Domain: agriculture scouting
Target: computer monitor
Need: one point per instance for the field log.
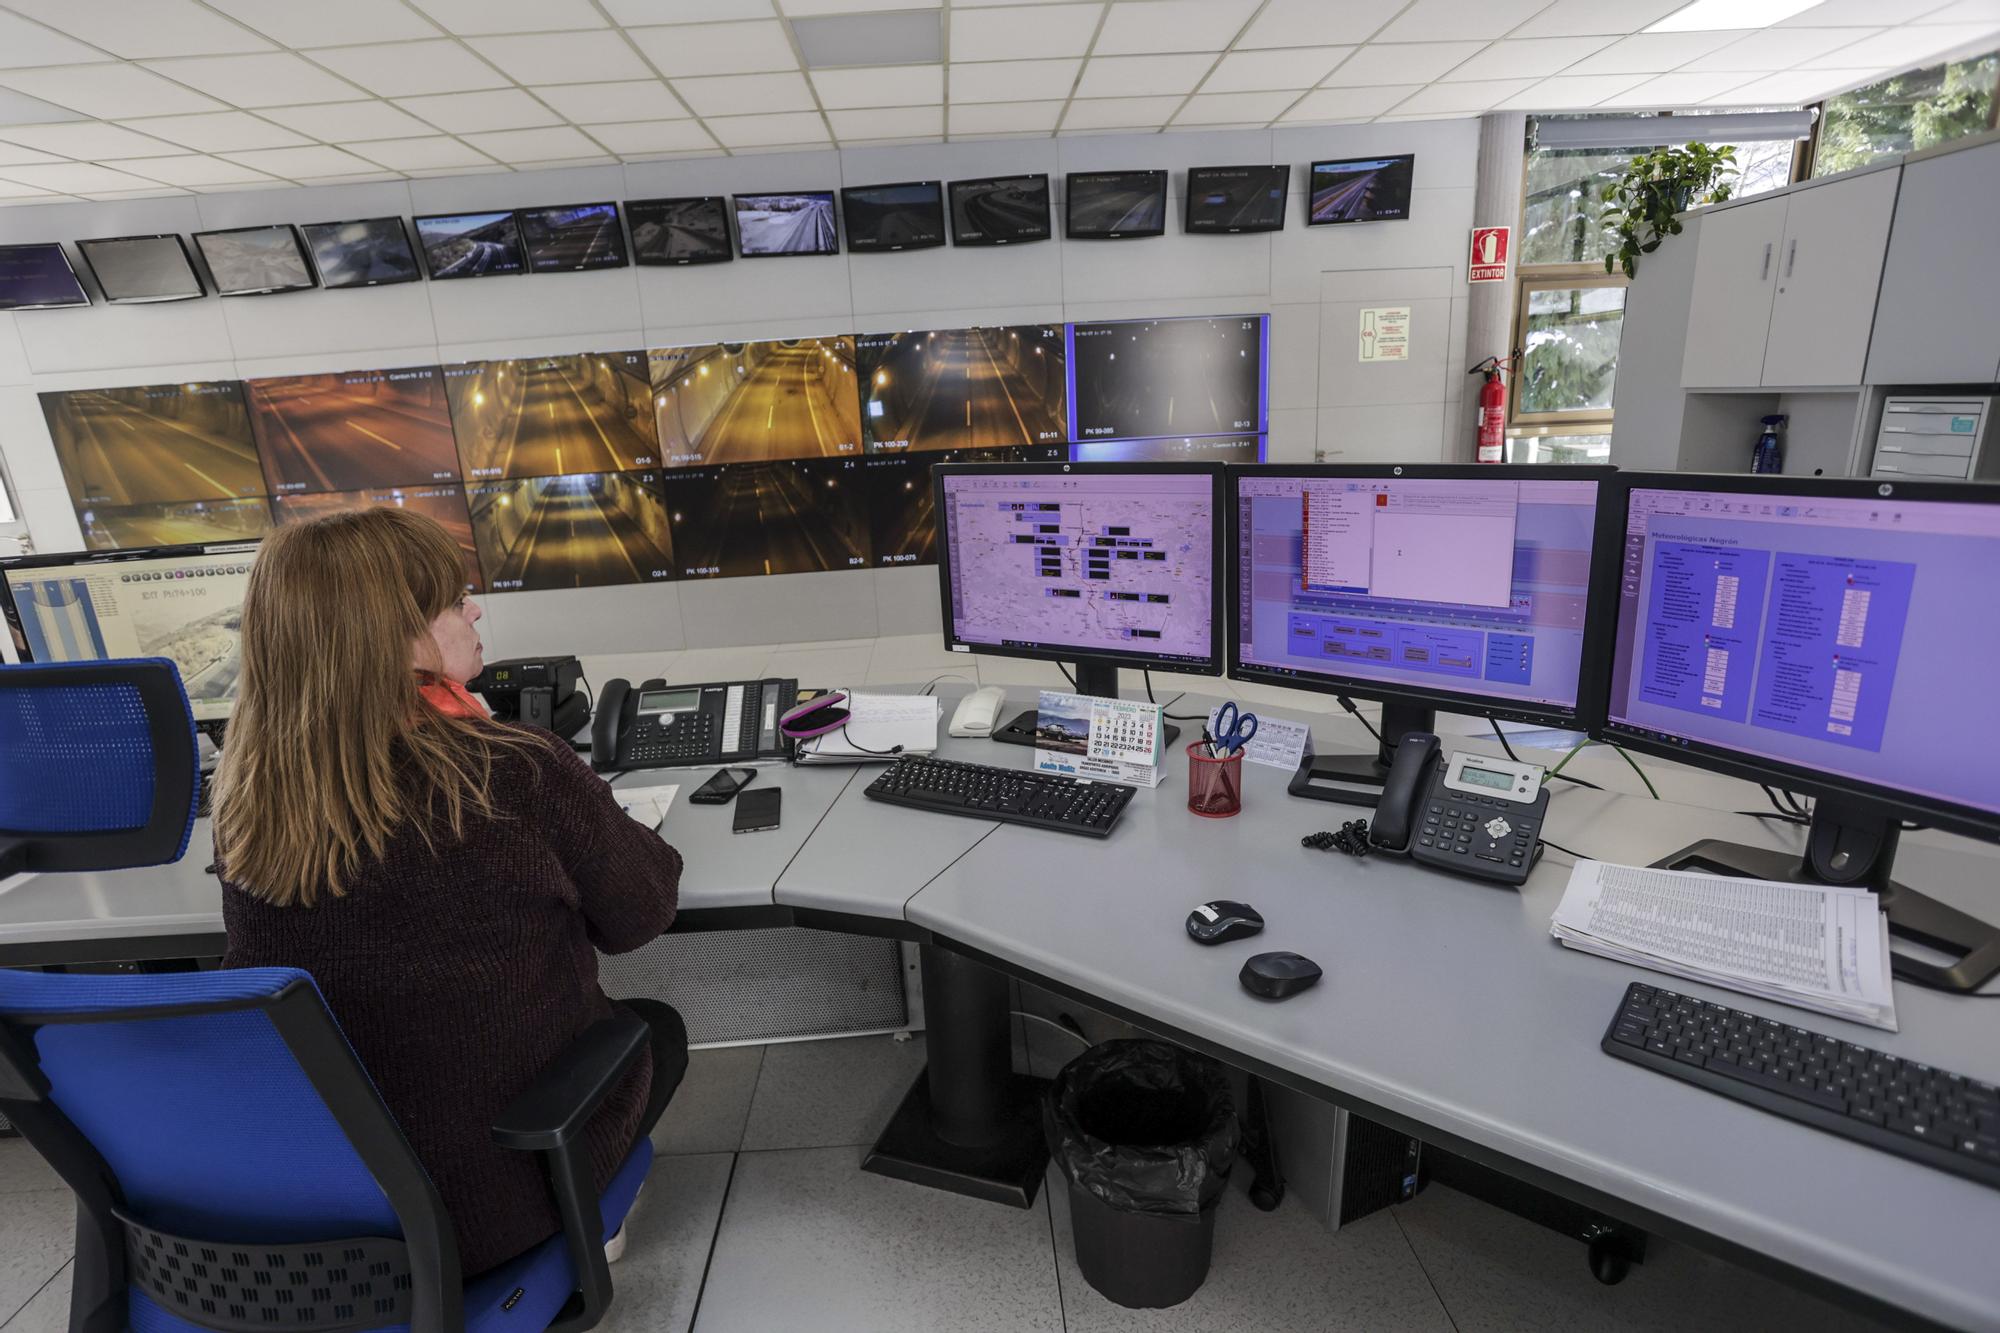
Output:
(1103, 565)
(1471, 589)
(1827, 637)
(178, 602)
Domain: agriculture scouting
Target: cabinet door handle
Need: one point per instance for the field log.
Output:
(1791, 253)
(1765, 272)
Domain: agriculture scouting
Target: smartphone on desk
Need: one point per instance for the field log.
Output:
(757, 810)
(722, 786)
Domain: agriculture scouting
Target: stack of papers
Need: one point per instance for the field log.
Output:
(876, 725)
(648, 805)
(1822, 947)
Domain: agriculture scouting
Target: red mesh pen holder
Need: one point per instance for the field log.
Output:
(1215, 782)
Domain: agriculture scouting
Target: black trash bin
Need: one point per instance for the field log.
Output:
(1145, 1133)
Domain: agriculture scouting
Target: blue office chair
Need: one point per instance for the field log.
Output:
(234, 1167)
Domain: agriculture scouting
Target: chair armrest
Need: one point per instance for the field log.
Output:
(553, 1110)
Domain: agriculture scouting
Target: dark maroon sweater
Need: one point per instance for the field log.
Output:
(459, 975)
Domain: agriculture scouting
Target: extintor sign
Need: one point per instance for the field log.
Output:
(1488, 262)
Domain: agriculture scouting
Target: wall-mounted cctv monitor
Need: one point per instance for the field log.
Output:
(1367, 189)
(470, 245)
(1235, 199)
(680, 231)
(786, 224)
(136, 270)
(374, 252)
(1001, 210)
(894, 217)
(255, 261)
(38, 277)
(570, 238)
(1115, 205)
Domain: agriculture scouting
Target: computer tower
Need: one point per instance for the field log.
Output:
(1341, 1166)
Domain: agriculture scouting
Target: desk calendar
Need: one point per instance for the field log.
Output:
(1110, 740)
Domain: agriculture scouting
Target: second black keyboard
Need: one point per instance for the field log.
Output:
(1009, 795)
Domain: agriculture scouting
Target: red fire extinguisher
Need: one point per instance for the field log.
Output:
(1492, 410)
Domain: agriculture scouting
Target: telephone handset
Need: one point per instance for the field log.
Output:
(1462, 812)
(658, 725)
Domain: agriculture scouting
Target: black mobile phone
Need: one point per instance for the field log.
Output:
(757, 810)
(722, 786)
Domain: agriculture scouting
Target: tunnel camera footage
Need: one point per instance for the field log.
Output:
(355, 430)
(963, 388)
(576, 531)
(1141, 379)
(743, 402)
(680, 231)
(373, 252)
(553, 415)
(445, 504)
(788, 517)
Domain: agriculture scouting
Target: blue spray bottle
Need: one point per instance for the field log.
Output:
(1768, 456)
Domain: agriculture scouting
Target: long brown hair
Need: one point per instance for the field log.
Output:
(329, 721)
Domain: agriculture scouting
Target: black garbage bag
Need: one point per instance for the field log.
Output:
(1144, 1126)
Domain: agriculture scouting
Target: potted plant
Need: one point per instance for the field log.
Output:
(1655, 187)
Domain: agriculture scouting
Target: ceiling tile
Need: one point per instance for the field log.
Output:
(1286, 23)
(1587, 18)
(1776, 48)
(75, 177)
(746, 94)
(1903, 47)
(1966, 11)
(813, 8)
(1673, 90)
(637, 138)
(1142, 76)
(409, 69)
(138, 31)
(1408, 62)
(109, 92)
(1013, 80)
(765, 131)
(418, 154)
(1535, 57)
(1235, 108)
(882, 85)
(12, 155)
(361, 179)
(298, 25)
(23, 43)
(1005, 118)
(1571, 92)
(479, 17)
(563, 57)
(1172, 25)
(219, 131)
(89, 140)
(343, 120)
(1794, 88)
(466, 113)
(157, 192)
(1862, 13)
(899, 37)
(318, 160)
(199, 169)
(1255, 71)
(888, 123)
(1349, 103)
(644, 99)
(1115, 113)
(15, 191)
(717, 48)
(276, 79)
(428, 172)
(1652, 52)
(1462, 98)
(1459, 18)
(633, 13)
(1023, 34)
(535, 145)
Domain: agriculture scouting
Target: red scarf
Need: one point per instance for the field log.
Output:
(449, 697)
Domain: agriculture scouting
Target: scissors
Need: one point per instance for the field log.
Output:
(1234, 728)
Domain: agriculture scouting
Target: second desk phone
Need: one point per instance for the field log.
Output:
(658, 725)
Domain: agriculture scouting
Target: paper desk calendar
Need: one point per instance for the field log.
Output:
(1108, 740)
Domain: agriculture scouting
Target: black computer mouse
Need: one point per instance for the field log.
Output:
(1277, 976)
(1221, 921)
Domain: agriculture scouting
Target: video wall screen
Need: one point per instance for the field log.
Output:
(1373, 189)
(900, 504)
(743, 402)
(894, 217)
(553, 415)
(470, 245)
(796, 516)
(139, 270)
(373, 252)
(255, 261)
(154, 443)
(446, 504)
(680, 231)
(578, 531)
(38, 277)
(1237, 449)
(353, 431)
(173, 523)
(1000, 210)
(1227, 200)
(1140, 379)
(572, 237)
(963, 388)
(787, 224)
(1113, 205)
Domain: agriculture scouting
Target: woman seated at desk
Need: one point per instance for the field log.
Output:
(446, 879)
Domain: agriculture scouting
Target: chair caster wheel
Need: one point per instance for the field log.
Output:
(1606, 1264)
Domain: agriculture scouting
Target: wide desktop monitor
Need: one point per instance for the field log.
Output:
(1471, 589)
(178, 602)
(1366, 189)
(38, 277)
(800, 223)
(1115, 205)
(680, 231)
(370, 252)
(136, 270)
(255, 261)
(1828, 637)
(1000, 210)
(570, 238)
(909, 216)
(470, 245)
(1228, 200)
(1102, 565)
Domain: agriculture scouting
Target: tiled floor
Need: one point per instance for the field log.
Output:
(757, 1217)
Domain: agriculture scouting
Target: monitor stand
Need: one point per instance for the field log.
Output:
(1356, 779)
(1855, 843)
(1096, 679)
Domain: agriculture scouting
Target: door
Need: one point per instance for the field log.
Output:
(1835, 238)
(1729, 311)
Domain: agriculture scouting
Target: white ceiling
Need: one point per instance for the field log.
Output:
(108, 99)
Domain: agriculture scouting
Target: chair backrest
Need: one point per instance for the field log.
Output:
(98, 765)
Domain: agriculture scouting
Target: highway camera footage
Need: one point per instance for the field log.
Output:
(343, 432)
(742, 402)
(1368, 190)
(254, 260)
(571, 532)
(679, 231)
(573, 237)
(894, 217)
(470, 245)
(371, 253)
(786, 224)
(553, 415)
(155, 443)
(963, 388)
(446, 504)
(1105, 204)
(768, 518)
(1000, 211)
(1169, 377)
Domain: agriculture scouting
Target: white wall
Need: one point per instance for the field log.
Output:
(1312, 281)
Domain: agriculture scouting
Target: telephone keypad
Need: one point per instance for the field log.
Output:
(1480, 828)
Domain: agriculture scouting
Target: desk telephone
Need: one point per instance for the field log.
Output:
(658, 725)
(1462, 812)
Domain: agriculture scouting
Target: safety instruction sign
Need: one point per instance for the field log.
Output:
(1488, 262)
(1385, 333)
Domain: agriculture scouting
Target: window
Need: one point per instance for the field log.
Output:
(1568, 333)
(1920, 109)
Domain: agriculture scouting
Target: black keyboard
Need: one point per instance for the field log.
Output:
(1917, 1112)
(1009, 795)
